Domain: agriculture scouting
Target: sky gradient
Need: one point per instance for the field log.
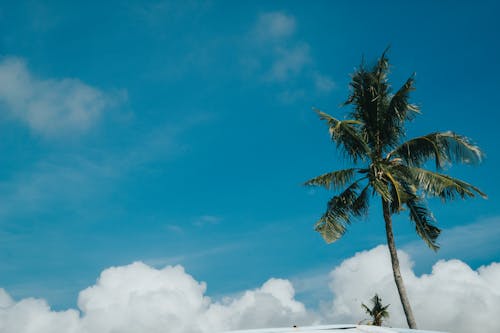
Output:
(181, 133)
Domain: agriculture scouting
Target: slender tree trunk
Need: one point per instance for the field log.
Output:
(395, 267)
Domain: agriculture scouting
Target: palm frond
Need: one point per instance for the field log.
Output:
(333, 180)
(401, 184)
(361, 204)
(340, 211)
(367, 309)
(346, 135)
(444, 186)
(444, 147)
(397, 112)
(380, 187)
(424, 222)
(369, 96)
(379, 182)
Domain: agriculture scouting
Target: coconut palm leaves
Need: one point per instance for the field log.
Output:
(444, 148)
(377, 311)
(392, 169)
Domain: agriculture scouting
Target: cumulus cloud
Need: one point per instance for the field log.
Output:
(50, 107)
(139, 298)
(453, 297)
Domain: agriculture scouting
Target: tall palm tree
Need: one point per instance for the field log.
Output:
(378, 312)
(389, 168)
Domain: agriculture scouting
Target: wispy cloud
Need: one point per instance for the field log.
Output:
(52, 107)
(323, 83)
(67, 180)
(274, 26)
(193, 256)
(468, 242)
(280, 56)
(207, 220)
(289, 62)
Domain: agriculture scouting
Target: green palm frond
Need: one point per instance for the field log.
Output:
(424, 222)
(340, 211)
(401, 184)
(380, 187)
(397, 112)
(367, 310)
(361, 204)
(378, 312)
(346, 135)
(444, 186)
(333, 180)
(369, 96)
(443, 147)
(400, 108)
(379, 181)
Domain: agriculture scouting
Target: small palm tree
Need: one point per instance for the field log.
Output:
(378, 312)
(389, 168)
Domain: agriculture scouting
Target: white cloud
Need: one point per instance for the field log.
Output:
(278, 56)
(139, 298)
(34, 316)
(207, 220)
(482, 240)
(453, 297)
(291, 96)
(323, 83)
(289, 62)
(51, 107)
(274, 25)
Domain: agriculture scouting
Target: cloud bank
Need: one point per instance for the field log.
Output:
(50, 107)
(139, 298)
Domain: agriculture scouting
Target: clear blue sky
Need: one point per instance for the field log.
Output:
(181, 132)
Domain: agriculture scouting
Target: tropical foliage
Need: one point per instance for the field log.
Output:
(372, 138)
(377, 312)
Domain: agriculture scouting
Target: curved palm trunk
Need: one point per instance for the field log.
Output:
(395, 267)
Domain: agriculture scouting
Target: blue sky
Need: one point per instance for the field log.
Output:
(181, 132)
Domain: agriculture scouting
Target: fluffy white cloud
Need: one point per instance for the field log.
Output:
(139, 298)
(34, 316)
(50, 106)
(453, 297)
(272, 305)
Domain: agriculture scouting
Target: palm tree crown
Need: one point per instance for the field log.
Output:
(389, 167)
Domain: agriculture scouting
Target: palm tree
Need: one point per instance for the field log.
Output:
(378, 312)
(389, 168)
